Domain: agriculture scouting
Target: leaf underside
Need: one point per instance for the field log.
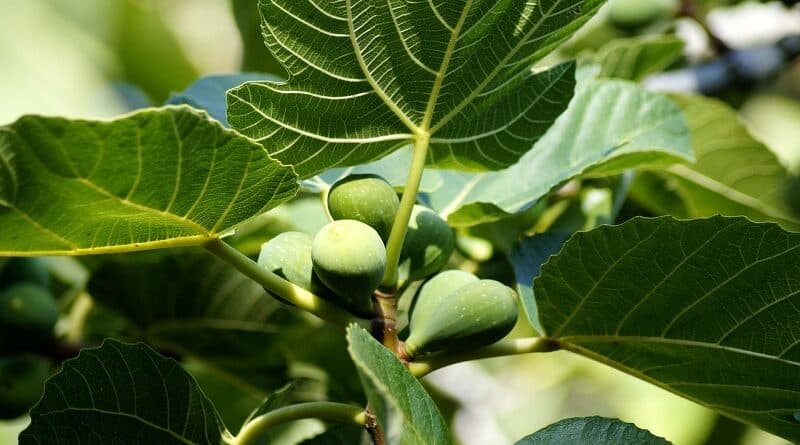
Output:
(368, 77)
(157, 178)
(708, 309)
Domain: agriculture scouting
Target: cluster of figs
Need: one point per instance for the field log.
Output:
(28, 314)
(346, 260)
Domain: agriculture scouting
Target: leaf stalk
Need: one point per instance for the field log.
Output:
(287, 290)
(338, 412)
(502, 348)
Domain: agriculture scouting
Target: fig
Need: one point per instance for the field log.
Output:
(474, 315)
(28, 313)
(436, 292)
(288, 255)
(350, 258)
(21, 384)
(428, 245)
(366, 198)
(636, 14)
(31, 270)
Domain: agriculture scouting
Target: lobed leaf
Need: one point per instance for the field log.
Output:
(708, 309)
(636, 58)
(592, 431)
(121, 393)
(610, 126)
(157, 178)
(368, 77)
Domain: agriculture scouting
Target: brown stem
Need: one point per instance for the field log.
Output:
(373, 429)
(384, 323)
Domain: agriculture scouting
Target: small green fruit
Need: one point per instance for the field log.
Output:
(289, 256)
(349, 258)
(635, 14)
(28, 313)
(30, 270)
(21, 384)
(366, 198)
(435, 292)
(428, 245)
(474, 315)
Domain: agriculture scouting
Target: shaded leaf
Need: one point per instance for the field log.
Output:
(367, 79)
(338, 435)
(592, 431)
(707, 309)
(124, 394)
(198, 305)
(157, 178)
(405, 411)
(636, 58)
(734, 173)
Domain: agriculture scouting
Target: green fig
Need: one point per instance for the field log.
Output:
(435, 292)
(29, 270)
(635, 14)
(289, 256)
(21, 384)
(428, 245)
(350, 258)
(366, 198)
(28, 313)
(474, 315)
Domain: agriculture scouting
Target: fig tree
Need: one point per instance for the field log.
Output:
(366, 198)
(28, 313)
(635, 14)
(289, 256)
(350, 258)
(474, 315)
(21, 384)
(428, 245)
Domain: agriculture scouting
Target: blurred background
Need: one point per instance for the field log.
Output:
(101, 58)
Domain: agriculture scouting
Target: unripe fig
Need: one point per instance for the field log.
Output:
(428, 245)
(21, 384)
(474, 315)
(28, 313)
(435, 292)
(289, 256)
(350, 258)
(635, 14)
(30, 270)
(366, 198)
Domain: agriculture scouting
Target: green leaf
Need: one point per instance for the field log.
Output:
(367, 78)
(338, 435)
(642, 129)
(121, 393)
(405, 412)
(208, 93)
(708, 309)
(734, 174)
(197, 305)
(636, 58)
(157, 178)
(255, 56)
(592, 431)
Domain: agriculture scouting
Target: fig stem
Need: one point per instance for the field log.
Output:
(339, 412)
(502, 348)
(398, 234)
(287, 290)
